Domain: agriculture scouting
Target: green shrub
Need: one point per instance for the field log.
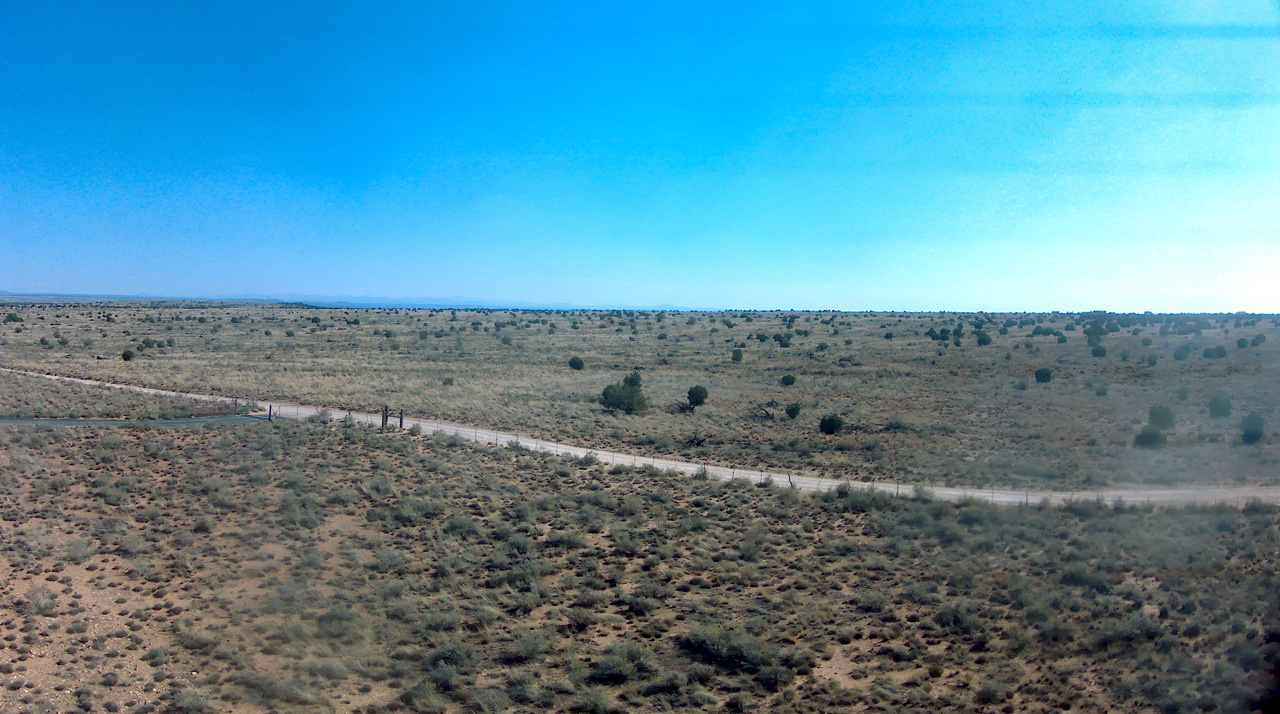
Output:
(1161, 417)
(958, 619)
(787, 380)
(455, 654)
(1251, 428)
(1149, 438)
(625, 395)
(793, 410)
(697, 396)
(422, 698)
(188, 701)
(192, 638)
(622, 661)
(734, 651)
(1044, 375)
(576, 363)
(848, 499)
(1183, 352)
(990, 693)
(774, 677)
(1219, 406)
(983, 339)
(126, 355)
(1243, 343)
(1099, 351)
(831, 424)
(736, 356)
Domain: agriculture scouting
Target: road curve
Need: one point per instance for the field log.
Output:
(1156, 496)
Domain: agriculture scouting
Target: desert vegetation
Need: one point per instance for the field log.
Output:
(23, 397)
(1029, 406)
(308, 566)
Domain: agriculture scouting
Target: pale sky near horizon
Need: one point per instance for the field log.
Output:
(986, 155)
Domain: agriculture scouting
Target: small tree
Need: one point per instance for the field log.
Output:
(793, 410)
(1251, 428)
(1219, 406)
(1161, 417)
(697, 396)
(576, 363)
(1099, 351)
(737, 356)
(1044, 375)
(625, 395)
(787, 380)
(1243, 343)
(126, 355)
(1149, 438)
(983, 339)
(831, 424)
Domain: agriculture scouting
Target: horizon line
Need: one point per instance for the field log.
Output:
(369, 302)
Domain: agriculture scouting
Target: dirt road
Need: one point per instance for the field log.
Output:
(1156, 496)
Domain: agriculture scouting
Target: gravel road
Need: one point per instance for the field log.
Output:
(1236, 496)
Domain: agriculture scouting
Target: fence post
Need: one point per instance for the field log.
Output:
(401, 418)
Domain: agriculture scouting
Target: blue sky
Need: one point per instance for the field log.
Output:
(976, 156)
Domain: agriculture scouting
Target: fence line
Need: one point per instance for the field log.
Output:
(814, 483)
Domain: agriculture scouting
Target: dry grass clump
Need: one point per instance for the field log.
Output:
(320, 567)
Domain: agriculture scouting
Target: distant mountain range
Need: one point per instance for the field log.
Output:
(359, 301)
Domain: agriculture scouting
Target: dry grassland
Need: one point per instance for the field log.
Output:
(916, 409)
(302, 567)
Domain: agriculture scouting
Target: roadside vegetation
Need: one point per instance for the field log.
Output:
(1054, 401)
(302, 567)
(24, 397)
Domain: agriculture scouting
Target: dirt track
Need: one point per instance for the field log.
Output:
(1164, 496)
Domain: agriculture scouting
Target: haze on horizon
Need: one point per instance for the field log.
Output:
(886, 156)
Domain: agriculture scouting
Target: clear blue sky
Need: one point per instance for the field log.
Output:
(993, 155)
